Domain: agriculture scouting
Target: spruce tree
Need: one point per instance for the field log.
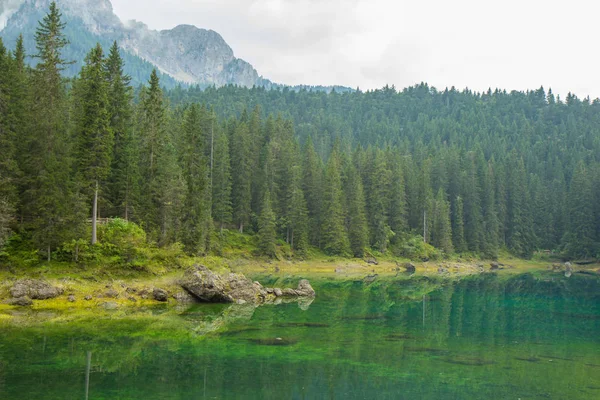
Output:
(267, 236)
(221, 180)
(335, 238)
(242, 175)
(51, 200)
(357, 225)
(197, 221)
(124, 174)
(298, 213)
(441, 233)
(93, 129)
(313, 191)
(8, 164)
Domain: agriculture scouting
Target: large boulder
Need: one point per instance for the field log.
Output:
(205, 285)
(208, 286)
(35, 289)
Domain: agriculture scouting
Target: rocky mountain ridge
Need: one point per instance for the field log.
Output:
(186, 54)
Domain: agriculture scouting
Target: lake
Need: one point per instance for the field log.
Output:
(531, 336)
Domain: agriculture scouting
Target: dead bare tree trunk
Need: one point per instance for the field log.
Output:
(95, 215)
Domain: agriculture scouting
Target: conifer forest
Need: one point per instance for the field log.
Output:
(344, 173)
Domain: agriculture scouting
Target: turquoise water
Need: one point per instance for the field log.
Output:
(484, 337)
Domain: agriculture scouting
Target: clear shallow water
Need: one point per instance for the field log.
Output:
(481, 338)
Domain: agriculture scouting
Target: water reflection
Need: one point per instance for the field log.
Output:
(412, 338)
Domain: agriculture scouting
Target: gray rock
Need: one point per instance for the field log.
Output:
(372, 261)
(35, 289)
(111, 294)
(494, 266)
(21, 301)
(277, 292)
(88, 297)
(160, 295)
(71, 298)
(207, 286)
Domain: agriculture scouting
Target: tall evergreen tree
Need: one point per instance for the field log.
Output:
(313, 191)
(441, 233)
(267, 235)
(124, 174)
(8, 163)
(357, 225)
(335, 238)
(221, 180)
(197, 221)
(93, 130)
(242, 175)
(51, 200)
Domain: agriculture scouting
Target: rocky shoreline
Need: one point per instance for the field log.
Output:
(198, 285)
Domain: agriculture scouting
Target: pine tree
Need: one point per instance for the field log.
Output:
(8, 164)
(379, 182)
(164, 185)
(50, 197)
(242, 176)
(93, 130)
(397, 192)
(458, 228)
(124, 174)
(441, 233)
(335, 238)
(267, 236)
(298, 213)
(197, 221)
(313, 191)
(357, 226)
(221, 180)
(579, 240)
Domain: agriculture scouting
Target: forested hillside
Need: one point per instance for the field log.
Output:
(346, 173)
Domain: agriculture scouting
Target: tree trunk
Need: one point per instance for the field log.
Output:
(241, 227)
(49, 254)
(95, 215)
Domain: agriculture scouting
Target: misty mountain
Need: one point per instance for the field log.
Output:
(184, 54)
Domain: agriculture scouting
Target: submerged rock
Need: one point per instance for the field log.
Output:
(472, 361)
(207, 286)
(274, 341)
(35, 289)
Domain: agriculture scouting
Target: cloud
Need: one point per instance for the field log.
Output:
(512, 44)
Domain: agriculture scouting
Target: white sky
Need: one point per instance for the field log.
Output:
(510, 44)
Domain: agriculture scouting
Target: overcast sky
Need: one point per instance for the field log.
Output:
(511, 44)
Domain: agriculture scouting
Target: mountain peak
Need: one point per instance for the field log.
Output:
(186, 53)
